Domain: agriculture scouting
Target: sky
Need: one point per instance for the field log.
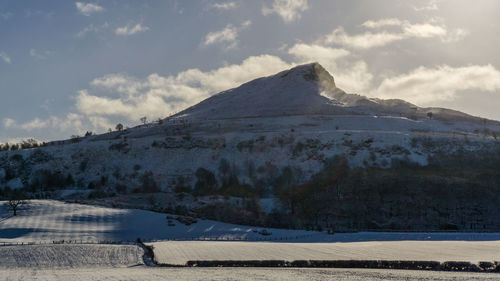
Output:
(70, 67)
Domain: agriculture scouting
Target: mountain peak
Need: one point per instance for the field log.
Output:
(313, 72)
(302, 90)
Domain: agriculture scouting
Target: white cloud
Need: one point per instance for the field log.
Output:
(92, 28)
(228, 35)
(363, 41)
(381, 38)
(430, 5)
(99, 122)
(456, 35)
(425, 30)
(131, 30)
(6, 16)
(156, 96)
(121, 83)
(40, 55)
(382, 23)
(88, 9)
(71, 123)
(224, 5)
(310, 52)
(288, 10)
(5, 58)
(426, 86)
(34, 124)
(8, 122)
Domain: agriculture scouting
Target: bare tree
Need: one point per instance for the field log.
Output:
(119, 127)
(14, 205)
(144, 120)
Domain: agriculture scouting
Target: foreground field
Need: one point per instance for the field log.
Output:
(295, 274)
(69, 256)
(47, 223)
(178, 253)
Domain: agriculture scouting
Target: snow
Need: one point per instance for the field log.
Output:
(291, 107)
(45, 221)
(48, 220)
(305, 90)
(291, 92)
(70, 256)
(279, 274)
(178, 253)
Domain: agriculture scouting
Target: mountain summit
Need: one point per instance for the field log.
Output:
(307, 89)
(302, 90)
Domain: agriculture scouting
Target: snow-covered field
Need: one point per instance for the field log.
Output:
(288, 274)
(45, 221)
(70, 256)
(49, 220)
(178, 253)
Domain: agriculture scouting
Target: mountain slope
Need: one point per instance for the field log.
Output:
(306, 90)
(303, 90)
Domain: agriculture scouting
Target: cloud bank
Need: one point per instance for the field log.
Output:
(378, 36)
(87, 9)
(5, 58)
(288, 10)
(426, 86)
(227, 36)
(224, 5)
(131, 29)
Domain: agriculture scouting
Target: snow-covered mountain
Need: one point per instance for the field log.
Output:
(305, 90)
(257, 140)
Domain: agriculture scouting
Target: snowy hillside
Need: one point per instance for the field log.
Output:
(251, 155)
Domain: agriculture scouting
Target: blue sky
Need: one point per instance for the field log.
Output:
(67, 67)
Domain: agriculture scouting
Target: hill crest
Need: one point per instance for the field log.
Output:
(302, 90)
(307, 89)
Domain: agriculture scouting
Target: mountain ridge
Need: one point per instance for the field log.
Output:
(308, 89)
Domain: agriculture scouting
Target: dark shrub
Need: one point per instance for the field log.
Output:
(206, 183)
(148, 183)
